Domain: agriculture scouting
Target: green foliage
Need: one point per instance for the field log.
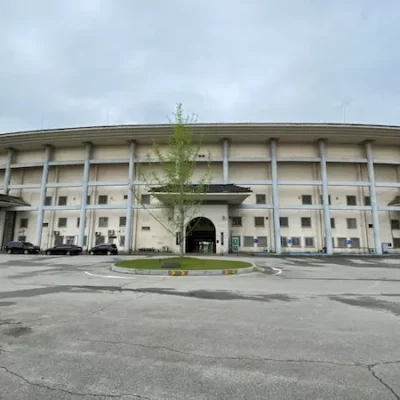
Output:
(178, 159)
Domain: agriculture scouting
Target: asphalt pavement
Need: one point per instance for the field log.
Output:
(306, 328)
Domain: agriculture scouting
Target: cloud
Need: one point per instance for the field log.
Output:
(95, 62)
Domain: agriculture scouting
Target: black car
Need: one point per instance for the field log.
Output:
(67, 249)
(22, 248)
(104, 249)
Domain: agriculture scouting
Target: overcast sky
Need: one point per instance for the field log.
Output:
(71, 63)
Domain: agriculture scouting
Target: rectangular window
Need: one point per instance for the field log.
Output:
(309, 241)
(62, 200)
(45, 224)
(21, 238)
(367, 201)
(329, 199)
(351, 200)
(125, 197)
(306, 199)
(70, 240)
(262, 241)
(306, 222)
(145, 228)
(395, 223)
(178, 238)
(351, 223)
(283, 241)
(222, 238)
(396, 243)
(103, 222)
(85, 240)
(236, 221)
(48, 200)
(145, 199)
(103, 199)
(23, 222)
(78, 222)
(62, 222)
(248, 241)
(260, 198)
(58, 240)
(341, 242)
(100, 240)
(122, 241)
(259, 222)
(333, 223)
(122, 222)
(296, 242)
(88, 200)
(284, 222)
(355, 243)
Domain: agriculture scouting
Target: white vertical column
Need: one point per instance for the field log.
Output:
(372, 194)
(131, 197)
(275, 195)
(7, 175)
(325, 197)
(45, 174)
(225, 161)
(85, 187)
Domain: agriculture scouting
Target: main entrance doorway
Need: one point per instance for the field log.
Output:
(200, 236)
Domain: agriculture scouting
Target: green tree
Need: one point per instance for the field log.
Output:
(174, 185)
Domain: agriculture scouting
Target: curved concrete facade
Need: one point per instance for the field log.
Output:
(308, 182)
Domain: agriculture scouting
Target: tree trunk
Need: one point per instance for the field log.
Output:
(182, 233)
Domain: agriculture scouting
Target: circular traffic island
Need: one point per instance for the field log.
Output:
(183, 266)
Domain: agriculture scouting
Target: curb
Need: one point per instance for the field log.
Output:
(171, 272)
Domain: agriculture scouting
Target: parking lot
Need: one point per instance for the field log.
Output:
(307, 328)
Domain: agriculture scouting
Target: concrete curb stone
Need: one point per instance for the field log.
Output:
(169, 272)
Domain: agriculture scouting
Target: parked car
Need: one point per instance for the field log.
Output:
(104, 249)
(67, 249)
(22, 247)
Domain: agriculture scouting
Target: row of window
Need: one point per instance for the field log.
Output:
(307, 199)
(249, 241)
(101, 199)
(259, 222)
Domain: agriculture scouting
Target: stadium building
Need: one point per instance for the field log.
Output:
(275, 187)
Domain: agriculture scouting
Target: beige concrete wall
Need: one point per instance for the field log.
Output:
(249, 150)
(159, 237)
(29, 156)
(69, 154)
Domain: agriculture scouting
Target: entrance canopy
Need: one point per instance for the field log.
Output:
(11, 201)
(212, 194)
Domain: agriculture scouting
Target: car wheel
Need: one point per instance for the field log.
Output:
(91, 253)
(26, 252)
(9, 251)
(48, 253)
(109, 253)
(68, 253)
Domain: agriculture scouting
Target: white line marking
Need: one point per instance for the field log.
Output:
(277, 269)
(108, 276)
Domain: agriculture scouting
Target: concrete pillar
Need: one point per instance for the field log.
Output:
(325, 197)
(372, 194)
(7, 175)
(225, 161)
(85, 186)
(275, 195)
(131, 198)
(45, 173)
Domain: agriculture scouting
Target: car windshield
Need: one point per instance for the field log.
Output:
(28, 244)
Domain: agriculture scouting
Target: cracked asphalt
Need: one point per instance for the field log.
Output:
(323, 328)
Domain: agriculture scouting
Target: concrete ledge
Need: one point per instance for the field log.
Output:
(169, 272)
